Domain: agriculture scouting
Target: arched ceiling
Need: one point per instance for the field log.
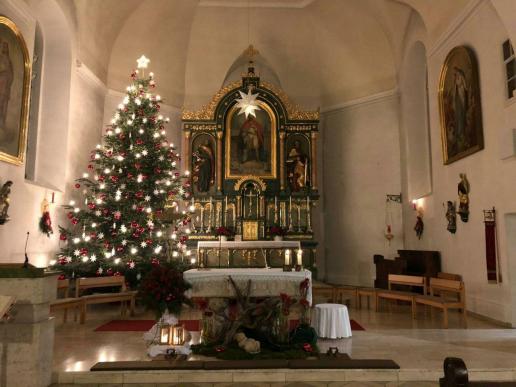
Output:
(325, 52)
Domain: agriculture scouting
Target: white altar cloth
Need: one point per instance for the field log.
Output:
(249, 244)
(264, 282)
(331, 321)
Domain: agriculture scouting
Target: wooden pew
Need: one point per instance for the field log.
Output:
(77, 304)
(399, 295)
(320, 289)
(445, 287)
(124, 296)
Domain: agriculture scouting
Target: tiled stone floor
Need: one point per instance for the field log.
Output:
(418, 346)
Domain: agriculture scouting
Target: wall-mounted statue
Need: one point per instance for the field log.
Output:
(4, 201)
(463, 189)
(420, 226)
(203, 166)
(297, 167)
(451, 216)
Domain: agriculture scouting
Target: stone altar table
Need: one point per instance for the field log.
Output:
(214, 283)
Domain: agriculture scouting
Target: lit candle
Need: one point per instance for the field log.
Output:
(164, 333)
(300, 257)
(287, 257)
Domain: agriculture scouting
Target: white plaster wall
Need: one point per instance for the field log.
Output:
(491, 178)
(361, 157)
(76, 111)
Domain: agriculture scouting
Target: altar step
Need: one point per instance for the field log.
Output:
(273, 378)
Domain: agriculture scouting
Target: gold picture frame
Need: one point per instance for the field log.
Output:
(272, 174)
(14, 98)
(460, 107)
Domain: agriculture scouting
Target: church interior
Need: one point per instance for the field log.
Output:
(257, 193)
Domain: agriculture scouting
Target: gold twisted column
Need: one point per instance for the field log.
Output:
(314, 161)
(282, 160)
(219, 161)
(186, 154)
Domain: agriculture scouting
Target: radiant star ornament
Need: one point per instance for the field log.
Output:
(247, 103)
(143, 62)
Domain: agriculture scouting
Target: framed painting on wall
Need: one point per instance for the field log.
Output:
(459, 105)
(251, 144)
(14, 92)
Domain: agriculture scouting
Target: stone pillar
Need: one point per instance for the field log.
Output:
(219, 161)
(27, 340)
(186, 155)
(282, 160)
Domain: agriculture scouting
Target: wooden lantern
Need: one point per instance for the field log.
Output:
(177, 334)
(164, 333)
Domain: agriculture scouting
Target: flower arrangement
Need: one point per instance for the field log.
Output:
(303, 290)
(224, 231)
(286, 303)
(277, 231)
(163, 288)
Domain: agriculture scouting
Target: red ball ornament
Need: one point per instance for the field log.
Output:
(155, 262)
(107, 245)
(137, 166)
(109, 271)
(62, 237)
(139, 141)
(61, 277)
(157, 170)
(105, 211)
(139, 194)
(139, 209)
(91, 206)
(114, 178)
(75, 221)
(134, 224)
(117, 274)
(77, 185)
(70, 215)
(120, 248)
(149, 242)
(84, 251)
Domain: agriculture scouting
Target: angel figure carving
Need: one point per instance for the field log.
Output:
(4, 201)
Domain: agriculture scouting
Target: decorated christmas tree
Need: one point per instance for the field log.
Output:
(132, 185)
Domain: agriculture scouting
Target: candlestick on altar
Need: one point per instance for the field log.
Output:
(287, 265)
(299, 261)
(299, 217)
(308, 215)
(202, 218)
(290, 225)
(275, 210)
(226, 212)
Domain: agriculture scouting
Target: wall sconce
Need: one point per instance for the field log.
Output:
(177, 335)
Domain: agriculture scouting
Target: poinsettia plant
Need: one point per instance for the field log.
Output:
(277, 231)
(164, 288)
(224, 231)
(286, 302)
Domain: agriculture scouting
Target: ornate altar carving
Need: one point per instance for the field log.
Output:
(252, 172)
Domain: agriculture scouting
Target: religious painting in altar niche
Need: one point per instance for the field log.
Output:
(298, 162)
(203, 163)
(459, 105)
(14, 92)
(251, 144)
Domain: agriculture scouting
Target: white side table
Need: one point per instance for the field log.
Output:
(331, 321)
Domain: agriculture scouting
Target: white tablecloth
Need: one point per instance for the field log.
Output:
(264, 282)
(331, 321)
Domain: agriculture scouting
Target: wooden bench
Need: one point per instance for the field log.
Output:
(124, 296)
(341, 291)
(320, 289)
(445, 287)
(77, 304)
(398, 295)
(368, 293)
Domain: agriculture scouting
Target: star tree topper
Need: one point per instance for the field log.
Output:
(247, 103)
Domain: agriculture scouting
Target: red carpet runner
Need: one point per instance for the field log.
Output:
(190, 325)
